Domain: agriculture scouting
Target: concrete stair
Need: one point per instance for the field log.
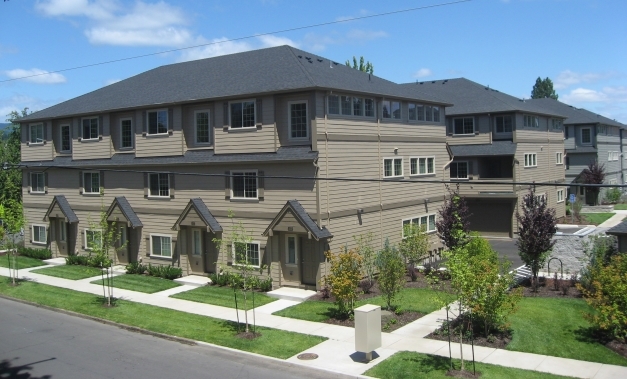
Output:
(289, 293)
(55, 261)
(193, 280)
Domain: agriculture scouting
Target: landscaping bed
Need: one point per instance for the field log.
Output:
(72, 272)
(547, 288)
(586, 218)
(139, 283)
(223, 296)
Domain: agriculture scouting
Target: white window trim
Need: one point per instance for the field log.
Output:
(132, 134)
(287, 251)
(43, 175)
(85, 236)
(467, 171)
(208, 111)
(252, 243)
(558, 195)
(559, 158)
(30, 131)
(402, 175)
(581, 136)
(196, 230)
(84, 182)
(543, 195)
(150, 195)
(83, 131)
(474, 129)
(419, 217)
(167, 119)
(289, 119)
(535, 155)
(613, 181)
(32, 233)
(233, 197)
(159, 256)
(254, 101)
(61, 138)
(418, 166)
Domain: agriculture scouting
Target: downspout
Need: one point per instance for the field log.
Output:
(380, 174)
(317, 183)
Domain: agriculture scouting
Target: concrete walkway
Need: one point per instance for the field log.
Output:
(614, 220)
(338, 354)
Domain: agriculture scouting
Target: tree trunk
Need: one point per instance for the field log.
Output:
(461, 336)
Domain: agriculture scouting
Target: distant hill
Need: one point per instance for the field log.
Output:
(3, 125)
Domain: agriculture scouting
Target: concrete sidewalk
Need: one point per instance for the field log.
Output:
(338, 354)
(614, 220)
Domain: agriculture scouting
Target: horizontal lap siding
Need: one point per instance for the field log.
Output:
(282, 117)
(92, 149)
(43, 152)
(247, 140)
(161, 145)
(546, 169)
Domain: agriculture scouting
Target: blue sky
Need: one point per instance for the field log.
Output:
(506, 44)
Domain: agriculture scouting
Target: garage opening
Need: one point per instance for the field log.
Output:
(491, 217)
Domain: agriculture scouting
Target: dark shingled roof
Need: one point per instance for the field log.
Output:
(470, 97)
(582, 150)
(203, 212)
(496, 148)
(303, 217)
(271, 70)
(297, 153)
(65, 207)
(126, 210)
(576, 115)
(620, 229)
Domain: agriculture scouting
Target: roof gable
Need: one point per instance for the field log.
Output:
(295, 209)
(120, 203)
(197, 207)
(60, 203)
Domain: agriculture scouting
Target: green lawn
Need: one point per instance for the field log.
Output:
(71, 272)
(272, 342)
(556, 327)
(411, 299)
(620, 207)
(223, 296)
(596, 218)
(141, 283)
(22, 262)
(407, 364)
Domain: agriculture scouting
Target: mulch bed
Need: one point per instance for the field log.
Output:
(617, 347)
(497, 340)
(462, 374)
(248, 336)
(546, 288)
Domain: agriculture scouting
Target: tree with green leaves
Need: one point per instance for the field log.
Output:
(391, 273)
(414, 247)
(543, 88)
(362, 66)
(453, 226)
(365, 249)
(13, 221)
(10, 176)
(343, 279)
(593, 174)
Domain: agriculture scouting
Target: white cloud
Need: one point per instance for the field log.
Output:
(108, 82)
(270, 40)
(99, 9)
(605, 95)
(18, 101)
(219, 46)
(138, 37)
(36, 75)
(422, 73)
(568, 78)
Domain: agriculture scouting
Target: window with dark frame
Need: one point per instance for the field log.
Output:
(203, 131)
(244, 184)
(459, 170)
(90, 128)
(243, 114)
(36, 133)
(91, 182)
(157, 122)
(464, 125)
(126, 134)
(298, 120)
(159, 185)
(66, 141)
(37, 182)
(503, 124)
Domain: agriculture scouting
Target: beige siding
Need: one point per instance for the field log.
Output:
(37, 152)
(163, 144)
(282, 117)
(92, 149)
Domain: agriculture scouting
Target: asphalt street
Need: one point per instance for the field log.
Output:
(40, 344)
(506, 247)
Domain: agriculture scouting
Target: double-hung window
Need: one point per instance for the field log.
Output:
(91, 182)
(391, 109)
(161, 245)
(586, 136)
(157, 122)
(464, 125)
(159, 185)
(66, 139)
(559, 158)
(39, 233)
(297, 118)
(93, 239)
(560, 196)
(246, 253)
(36, 134)
(459, 170)
(244, 185)
(531, 160)
(422, 165)
(531, 121)
(291, 249)
(424, 222)
(90, 128)
(202, 127)
(556, 124)
(392, 167)
(126, 133)
(37, 182)
(503, 124)
(243, 114)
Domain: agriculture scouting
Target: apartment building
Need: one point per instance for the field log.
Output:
(182, 154)
(495, 140)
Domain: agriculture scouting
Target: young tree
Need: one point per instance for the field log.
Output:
(365, 249)
(453, 226)
(414, 247)
(12, 222)
(391, 273)
(593, 174)
(543, 88)
(362, 66)
(10, 176)
(343, 279)
(536, 228)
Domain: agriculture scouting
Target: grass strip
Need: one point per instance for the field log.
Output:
(597, 218)
(223, 296)
(620, 207)
(140, 283)
(407, 364)
(71, 272)
(22, 262)
(272, 342)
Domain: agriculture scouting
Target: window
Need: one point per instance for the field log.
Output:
(297, 119)
(459, 170)
(411, 110)
(93, 239)
(62, 232)
(503, 124)
(369, 107)
(425, 222)
(428, 114)
(556, 124)
(244, 185)
(40, 235)
(90, 128)
(602, 129)
(613, 155)
(541, 198)
(464, 125)
(246, 253)
(560, 196)
(159, 185)
(613, 181)
(436, 114)
(126, 133)
(586, 136)
(37, 182)
(334, 104)
(243, 114)
(392, 167)
(66, 141)
(196, 242)
(531, 121)
(391, 109)
(91, 182)
(559, 158)
(161, 245)
(291, 250)
(202, 127)
(350, 105)
(36, 134)
(422, 165)
(157, 122)
(121, 236)
(530, 160)
(420, 112)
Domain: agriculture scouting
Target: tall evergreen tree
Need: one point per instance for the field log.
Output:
(543, 88)
(362, 66)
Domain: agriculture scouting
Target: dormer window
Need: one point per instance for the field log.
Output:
(464, 125)
(36, 134)
(503, 124)
(392, 109)
(90, 128)
(157, 122)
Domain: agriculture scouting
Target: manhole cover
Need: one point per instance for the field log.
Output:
(307, 356)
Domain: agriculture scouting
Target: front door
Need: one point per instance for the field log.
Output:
(195, 252)
(61, 239)
(121, 245)
(309, 261)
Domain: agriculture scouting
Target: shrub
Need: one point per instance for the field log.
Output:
(613, 195)
(598, 250)
(34, 253)
(78, 260)
(414, 247)
(165, 272)
(135, 268)
(265, 285)
(391, 273)
(344, 279)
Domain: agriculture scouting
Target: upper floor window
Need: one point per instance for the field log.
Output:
(436, 114)
(392, 167)
(586, 136)
(161, 245)
(420, 112)
(297, 119)
(159, 185)
(459, 170)
(90, 128)
(531, 160)
(36, 134)
(244, 185)
(531, 121)
(243, 114)
(559, 157)
(37, 182)
(350, 105)
(202, 127)
(422, 165)
(503, 124)
(126, 133)
(465, 125)
(91, 182)
(391, 109)
(66, 139)
(556, 124)
(602, 129)
(157, 121)
(428, 113)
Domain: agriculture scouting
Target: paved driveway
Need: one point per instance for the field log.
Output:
(506, 247)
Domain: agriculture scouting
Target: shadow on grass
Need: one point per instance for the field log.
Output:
(20, 372)
(591, 335)
(102, 301)
(429, 363)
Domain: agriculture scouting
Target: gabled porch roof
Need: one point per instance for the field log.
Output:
(198, 207)
(302, 217)
(60, 206)
(120, 203)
